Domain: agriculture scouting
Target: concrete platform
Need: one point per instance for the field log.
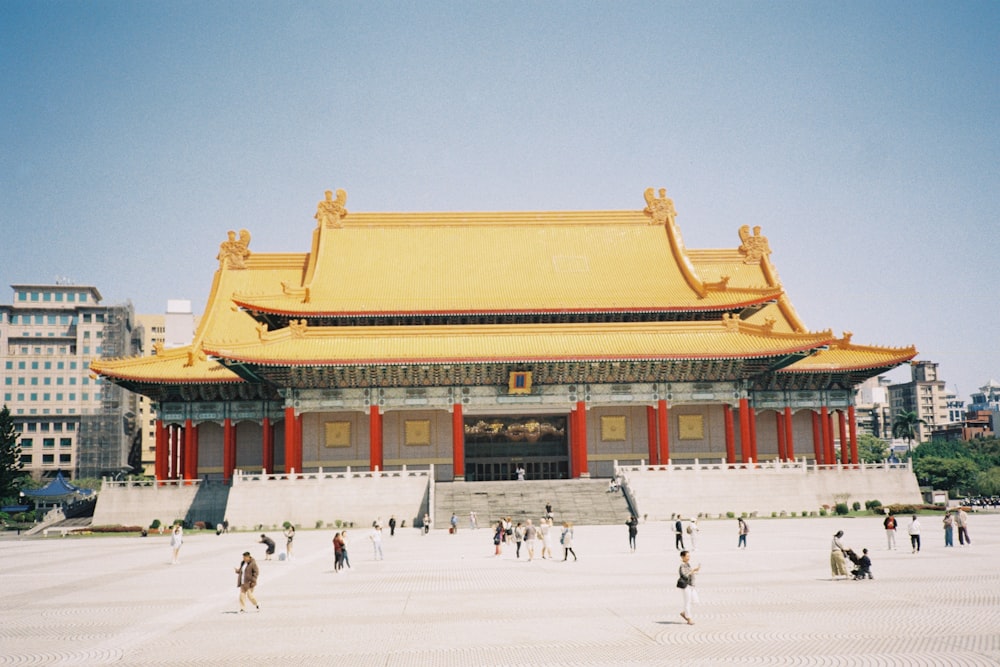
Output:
(445, 599)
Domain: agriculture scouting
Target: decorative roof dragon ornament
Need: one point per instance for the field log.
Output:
(330, 212)
(233, 252)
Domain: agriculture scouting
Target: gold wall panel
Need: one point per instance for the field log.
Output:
(338, 434)
(417, 432)
(690, 427)
(613, 428)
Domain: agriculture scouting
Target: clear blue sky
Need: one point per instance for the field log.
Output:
(862, 137)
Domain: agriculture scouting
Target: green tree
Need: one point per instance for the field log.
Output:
(10, 458)
(905, 425)
(988, 482)
(871, 449)
(956, 474)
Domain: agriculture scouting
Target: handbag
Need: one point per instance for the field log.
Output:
(682, 582)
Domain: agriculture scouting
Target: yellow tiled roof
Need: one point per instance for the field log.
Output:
(222, 318)
(844, 356)
(321, 346)
(389, 263)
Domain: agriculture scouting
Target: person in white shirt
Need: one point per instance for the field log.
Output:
(914, 530)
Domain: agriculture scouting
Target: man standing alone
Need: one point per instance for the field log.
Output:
(890, 531)
(246, 579)
(679, 534)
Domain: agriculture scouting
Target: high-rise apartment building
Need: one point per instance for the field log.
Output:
(68, 419)
(924, 394)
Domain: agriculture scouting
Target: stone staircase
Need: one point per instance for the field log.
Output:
(582, 501)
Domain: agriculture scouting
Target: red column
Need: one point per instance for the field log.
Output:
(267, 446)
(290, 423)
(375, 438)
(779, 428)
(298, 443)
(174, 438)
(458, 442)
(753, 435)
(161, 453)
(845, 447)
(581, 469)
(818, 449)
(789, 441)
(727, 414)
(654, 450)
(745, 446)
(228, 449)
(663, 428)
(853, 426)
(190, 451)
(828, 453)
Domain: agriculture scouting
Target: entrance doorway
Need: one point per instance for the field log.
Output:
(496, 446)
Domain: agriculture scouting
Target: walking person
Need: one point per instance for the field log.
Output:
(338, 553)
(679, 534)
(343, 549)
(692, 531)
(530, 532)
(962, 521)
(376, 537)
(392, 526)
(176, 540)
(454, 523)
(246, 579)
(545, 532)
(633, 530)
(289, 536)
(567, 540)
(837, 553)
(518, 538)
(948, 524)
(427, 523)
(685, 582)
(498, 539)
(890, 531)
(914, 530)
(743, 529)
(473, 524)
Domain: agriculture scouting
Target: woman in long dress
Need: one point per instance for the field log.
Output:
(837, 551)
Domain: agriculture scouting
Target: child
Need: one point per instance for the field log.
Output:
(864, 568)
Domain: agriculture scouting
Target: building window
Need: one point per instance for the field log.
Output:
(27, 442)
(65, 442)
(65, 458)
(48, 458)
(48, 442)
(26, 459)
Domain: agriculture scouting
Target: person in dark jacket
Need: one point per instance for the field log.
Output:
(269, 543)
(246, 580)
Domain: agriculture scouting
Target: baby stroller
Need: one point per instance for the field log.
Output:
(862, 566)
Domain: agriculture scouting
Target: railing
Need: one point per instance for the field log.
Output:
(241, 477)
(801, 465)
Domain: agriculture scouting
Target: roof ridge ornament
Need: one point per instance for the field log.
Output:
(731, 322)
(298, 327)
(233, 252)
(660, 209)
(754, 248)
(330, 212)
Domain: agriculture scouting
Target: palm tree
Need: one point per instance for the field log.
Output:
(905, 425)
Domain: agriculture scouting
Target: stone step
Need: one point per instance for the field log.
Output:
(579, 501)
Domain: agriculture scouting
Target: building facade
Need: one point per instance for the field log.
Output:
(484, 343)
(924, 394)
(67, 419)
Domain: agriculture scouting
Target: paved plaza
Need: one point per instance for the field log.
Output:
(446, 599)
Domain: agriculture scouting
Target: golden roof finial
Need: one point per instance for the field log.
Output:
(754, 248)
(233, 252)
(330, 211)
(660, 209)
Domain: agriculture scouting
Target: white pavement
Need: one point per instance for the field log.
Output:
(445, 599)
